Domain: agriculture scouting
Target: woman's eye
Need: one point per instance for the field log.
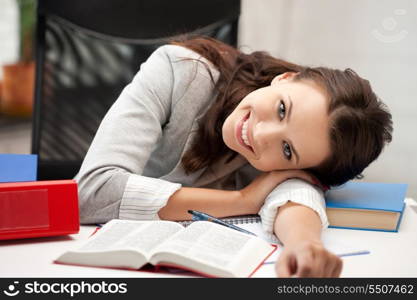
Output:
(287, 151)
(281, 110)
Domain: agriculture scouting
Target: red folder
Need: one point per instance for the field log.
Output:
(38, 208)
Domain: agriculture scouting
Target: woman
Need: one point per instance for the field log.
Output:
(203, 126)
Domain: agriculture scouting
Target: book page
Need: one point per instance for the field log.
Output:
(139, 235)
(209, 248)
(250, 223)
(258, 230)
(121, 243)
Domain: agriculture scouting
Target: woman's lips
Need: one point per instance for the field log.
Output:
(239, 132)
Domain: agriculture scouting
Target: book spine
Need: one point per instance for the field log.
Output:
(400, 218)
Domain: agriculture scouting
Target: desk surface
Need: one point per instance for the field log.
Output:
(393, 254)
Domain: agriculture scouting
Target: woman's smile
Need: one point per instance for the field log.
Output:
(243, 134)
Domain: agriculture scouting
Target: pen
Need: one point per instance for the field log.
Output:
(199, 216)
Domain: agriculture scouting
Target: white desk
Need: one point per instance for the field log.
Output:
(392, 254)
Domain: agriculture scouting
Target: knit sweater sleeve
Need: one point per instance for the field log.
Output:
(295, 190)
(110, 183)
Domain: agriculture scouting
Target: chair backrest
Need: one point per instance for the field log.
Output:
(87, 51)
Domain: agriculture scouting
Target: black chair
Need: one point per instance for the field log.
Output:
(87, 51)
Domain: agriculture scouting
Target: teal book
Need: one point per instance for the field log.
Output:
(366, 206)
(18, 167)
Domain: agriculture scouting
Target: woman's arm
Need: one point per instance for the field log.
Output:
(220, 203)
(217, 203)
(111, 183)
(297, 226)
(299, 229)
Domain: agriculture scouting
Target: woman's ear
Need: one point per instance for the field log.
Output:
(283, 77)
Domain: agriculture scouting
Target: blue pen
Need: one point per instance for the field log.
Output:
(199, 216)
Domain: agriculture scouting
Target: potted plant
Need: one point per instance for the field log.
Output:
(19, 78)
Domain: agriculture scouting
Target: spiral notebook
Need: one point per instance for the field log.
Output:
(238, 220)
(251, 223)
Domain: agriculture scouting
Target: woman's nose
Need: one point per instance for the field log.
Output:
(266, 132)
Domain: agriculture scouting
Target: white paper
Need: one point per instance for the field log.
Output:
(204, 242)
(142, 236)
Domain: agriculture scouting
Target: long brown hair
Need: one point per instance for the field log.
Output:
(360, 123)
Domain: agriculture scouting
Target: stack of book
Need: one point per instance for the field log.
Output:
(31, 208)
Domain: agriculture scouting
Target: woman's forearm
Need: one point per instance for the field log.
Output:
(295, 223)
(218, 203)
(221, 203)
(304, 255)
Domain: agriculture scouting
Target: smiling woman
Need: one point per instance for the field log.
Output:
(273, 133)
(205, 127)
(296, 117)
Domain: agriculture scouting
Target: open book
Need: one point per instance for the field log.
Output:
(203, 247)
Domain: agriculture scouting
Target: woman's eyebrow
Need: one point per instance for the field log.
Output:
(288, 119)
(289, 109)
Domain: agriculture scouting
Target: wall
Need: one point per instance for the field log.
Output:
(376, 38)
(8, 32)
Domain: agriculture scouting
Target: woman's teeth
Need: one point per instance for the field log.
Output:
(245, 132)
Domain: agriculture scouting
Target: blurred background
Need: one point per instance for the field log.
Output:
(376, 38)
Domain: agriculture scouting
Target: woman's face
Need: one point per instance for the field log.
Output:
(281, 126)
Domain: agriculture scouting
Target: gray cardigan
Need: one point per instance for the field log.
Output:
(133, 165)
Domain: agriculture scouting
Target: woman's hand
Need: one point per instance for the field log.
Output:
(308, 259)
(253, 195)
